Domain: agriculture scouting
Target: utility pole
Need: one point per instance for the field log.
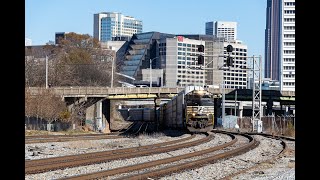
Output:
(46, 72)
(235, 103)
(112, 71)
(223, 100)
(229, 51)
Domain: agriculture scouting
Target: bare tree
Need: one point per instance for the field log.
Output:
(45, 106)
(53, 106)
(29, 105)
(34, 72)
(77, 61)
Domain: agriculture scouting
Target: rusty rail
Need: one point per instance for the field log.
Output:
(63, 139)
(100, 157)
(281, 153)
(155, 173)
(194, 164)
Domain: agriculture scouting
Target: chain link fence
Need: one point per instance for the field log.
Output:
(41, 124)
(273, 124)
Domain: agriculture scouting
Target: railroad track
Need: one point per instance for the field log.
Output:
(279, 155)
(63, 138)
(48, 164)
(65, 135)
(173, 168)
(159, 168)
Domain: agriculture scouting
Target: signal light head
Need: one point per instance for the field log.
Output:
(229, 48)
(200, 48)
(200, 59)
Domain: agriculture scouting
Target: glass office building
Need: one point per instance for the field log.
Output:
(107, 25)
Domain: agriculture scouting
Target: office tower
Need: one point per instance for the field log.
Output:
(107, 25)
(210, 28)
(237, 76)
(280, 43)
(215, 49)
(135, 55)
(228, 30)
(179, 62)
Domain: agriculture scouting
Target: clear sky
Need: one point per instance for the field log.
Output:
(43, 18)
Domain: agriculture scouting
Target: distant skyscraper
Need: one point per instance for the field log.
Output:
(210, 28)
(112, 24)
(27, 42)
(280, 43)
(228, 30)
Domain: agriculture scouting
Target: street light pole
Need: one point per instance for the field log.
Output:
(223, 101)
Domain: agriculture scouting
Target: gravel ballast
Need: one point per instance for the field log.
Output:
(280, 169)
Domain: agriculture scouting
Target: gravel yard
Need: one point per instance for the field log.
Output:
(283, 168)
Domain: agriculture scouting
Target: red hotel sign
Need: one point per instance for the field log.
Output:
(180, 38)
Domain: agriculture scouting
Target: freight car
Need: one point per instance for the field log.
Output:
(191, 109)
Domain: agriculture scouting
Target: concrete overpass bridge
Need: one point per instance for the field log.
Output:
(156, 92)
(101, 102)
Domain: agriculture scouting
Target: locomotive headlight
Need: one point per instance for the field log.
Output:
(193, 114)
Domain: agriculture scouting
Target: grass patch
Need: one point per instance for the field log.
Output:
(291, 165)
(35, 132)
(76, 131)
(289, 130)
(68, 132)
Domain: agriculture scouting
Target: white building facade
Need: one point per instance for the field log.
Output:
(114, 45)
(112, 24)
(179, 62)
(225, 29)
(287, 78)
(280, 43)
(237, 76)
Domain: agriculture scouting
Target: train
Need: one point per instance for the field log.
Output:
(192, 109)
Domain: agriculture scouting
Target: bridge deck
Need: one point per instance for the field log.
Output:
(108, 92)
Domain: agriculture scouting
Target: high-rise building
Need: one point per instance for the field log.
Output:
(213, 57)
(176, 56)
(210, 28)
(237, 76)
(215, 49)
(179, 61)
(280, 43)
(107, 25)
(228, 30)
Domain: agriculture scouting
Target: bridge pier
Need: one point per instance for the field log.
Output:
(269, 107)
(95, 116)
(99, 121)
(240, 109)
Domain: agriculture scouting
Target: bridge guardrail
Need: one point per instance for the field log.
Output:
(81, 91)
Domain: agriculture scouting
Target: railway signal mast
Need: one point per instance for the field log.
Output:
(256, 84)
(256, 95)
